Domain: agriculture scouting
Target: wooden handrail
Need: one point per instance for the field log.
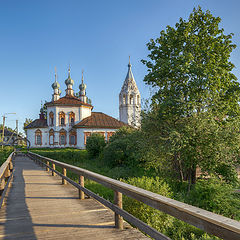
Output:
(209, 222)
(6, 172)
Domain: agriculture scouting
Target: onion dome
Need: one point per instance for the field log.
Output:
(55, 85)
(69, 81)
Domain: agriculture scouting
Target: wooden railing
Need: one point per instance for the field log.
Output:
(6, 173)
(209, 222)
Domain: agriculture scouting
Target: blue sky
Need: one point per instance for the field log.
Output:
(97, 36)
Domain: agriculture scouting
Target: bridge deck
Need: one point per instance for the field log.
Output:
(37, 206)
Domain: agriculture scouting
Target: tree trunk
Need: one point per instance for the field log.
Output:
(193, 175)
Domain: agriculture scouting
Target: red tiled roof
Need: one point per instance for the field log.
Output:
(100, 120)
(37, 123)
(68, 100)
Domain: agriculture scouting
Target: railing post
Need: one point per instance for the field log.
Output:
(118, 202)
(2, 184)
(11, 165)
(47, 169)
(7, 172)
(53, 166)
(81, 182)
(64, 174)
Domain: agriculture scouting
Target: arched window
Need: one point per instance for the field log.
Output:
(124, 99)
(73, 138)
(71, 118)
(51, 137)
(38, 137)
(86, 135)
(62, 137)
(131, 99)
(138, 99)
(51, 119)
(62, 118)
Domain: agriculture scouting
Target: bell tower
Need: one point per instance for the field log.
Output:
(130, 101)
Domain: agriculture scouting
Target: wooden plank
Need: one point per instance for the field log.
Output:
(54, 211)
(5, 190)
(5, 164)
(136, 222)
(207, 221)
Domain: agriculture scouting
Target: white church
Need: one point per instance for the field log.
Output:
(70, 119)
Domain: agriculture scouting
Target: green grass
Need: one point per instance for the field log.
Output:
(4, 153)
(210, 194)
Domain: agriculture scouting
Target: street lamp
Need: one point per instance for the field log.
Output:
(4, 118)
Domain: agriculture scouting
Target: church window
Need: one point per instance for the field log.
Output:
(51, 140)
(51, 118)
(71, 118)
(62, 121)
(73, 138)
(62, 118)
(138, 99)
(62, 140)
(124, 99)
(131, 99)
(51, 137)
(62, 137)
(38, 137)
(86, 135)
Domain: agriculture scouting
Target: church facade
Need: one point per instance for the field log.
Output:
(69, 120)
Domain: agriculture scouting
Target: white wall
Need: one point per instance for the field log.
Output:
(31, 137)
(80, 113)
(80, 137)
(80, 134)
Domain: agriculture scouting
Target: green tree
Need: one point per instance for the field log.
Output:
(195, 108)
(26, 123)
(95, 144)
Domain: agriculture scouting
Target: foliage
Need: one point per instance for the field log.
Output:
(162, 222)
(4, 153)
(95, 144)
(125, 148)
(199, 140)
(6, 128)
(194, 116)
(215, 196)
(209, 194)
(26, 123)
(190, 67)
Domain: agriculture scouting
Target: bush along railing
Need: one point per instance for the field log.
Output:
(6, 173)
(209, 222)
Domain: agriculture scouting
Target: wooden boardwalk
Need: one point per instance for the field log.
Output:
(38, 206)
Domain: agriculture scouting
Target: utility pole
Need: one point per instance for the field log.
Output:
(4, 118)
(3, 129)
(17, 130)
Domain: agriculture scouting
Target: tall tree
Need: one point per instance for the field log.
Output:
(189, 66)
(196, 94)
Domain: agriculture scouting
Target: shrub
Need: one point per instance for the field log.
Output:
(95, 144)
(126, 148)
(4, 153)
(215, 196)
